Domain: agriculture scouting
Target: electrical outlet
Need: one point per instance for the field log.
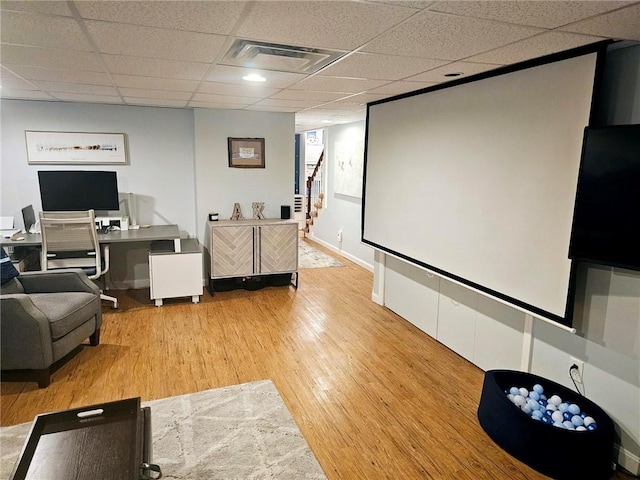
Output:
(578, 372)
(339, 235)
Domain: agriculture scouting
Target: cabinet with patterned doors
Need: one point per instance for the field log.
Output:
(252, 248)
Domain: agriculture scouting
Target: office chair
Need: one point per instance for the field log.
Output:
(69, 240)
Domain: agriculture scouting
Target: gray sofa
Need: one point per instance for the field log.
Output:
(44, 316)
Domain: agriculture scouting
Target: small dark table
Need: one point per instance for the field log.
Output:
(105, 441)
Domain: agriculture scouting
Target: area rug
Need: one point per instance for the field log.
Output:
(238, 432)
(310, 257)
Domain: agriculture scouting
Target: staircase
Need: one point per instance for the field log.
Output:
(315, 193)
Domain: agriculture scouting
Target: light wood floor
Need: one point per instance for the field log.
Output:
(374, 396)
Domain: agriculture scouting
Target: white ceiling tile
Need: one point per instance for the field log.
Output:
(275, 102)
(193, 16)
(79, 97)
(397, 88)
(466, 68)
(226, 74)
(51, 57)
(545, 14)
(262, 108)
(346, 104)
(338, 24)
(308, 95)
(159, 94)
(75, 88)
(42, 31)
(155, 102)
(447, 37)
(417, 4)
(379, 67)
(153, 83)
(534, 47)
(210, 98)
(255, 90)
(223, 106)
(153, 67)
(122, 39)
(70, 76)
(9, 80)
(25, 94)
(49, 7)
(338, 84)
(364, 98)
(621, 25)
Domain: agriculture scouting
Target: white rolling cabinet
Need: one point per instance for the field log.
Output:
(175, 274)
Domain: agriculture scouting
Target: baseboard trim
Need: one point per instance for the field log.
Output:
(627, 460)
(346, 255)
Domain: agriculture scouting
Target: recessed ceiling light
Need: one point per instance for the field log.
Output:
(254, 77)
(453, 74)
(327, 121)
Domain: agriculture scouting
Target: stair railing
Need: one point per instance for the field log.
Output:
(315, 193)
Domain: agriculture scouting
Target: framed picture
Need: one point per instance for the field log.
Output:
(70, 148)
(246, 152)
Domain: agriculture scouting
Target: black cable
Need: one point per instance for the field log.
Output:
(575, 384)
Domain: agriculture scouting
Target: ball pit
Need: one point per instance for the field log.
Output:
(587, 448)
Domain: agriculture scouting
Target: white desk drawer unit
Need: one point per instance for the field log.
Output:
(175, 274)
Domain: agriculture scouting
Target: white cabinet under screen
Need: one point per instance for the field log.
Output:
(175, 274)
(249, 248)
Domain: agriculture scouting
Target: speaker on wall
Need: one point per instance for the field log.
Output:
(285, 212)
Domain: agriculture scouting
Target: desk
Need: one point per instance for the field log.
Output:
(155, 232)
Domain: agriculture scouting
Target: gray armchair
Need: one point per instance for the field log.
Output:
(44, 316)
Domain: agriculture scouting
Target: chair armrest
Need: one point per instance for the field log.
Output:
(25, 332)
(65, 280)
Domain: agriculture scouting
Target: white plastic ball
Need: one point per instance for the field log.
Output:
(555, 399)
(581, 428)
(524, 392)
(538, 388)
(511, 397)
(577, 420)
(558, 424)
(543, 397)
(526, 409)
(514, 391)
(552, 407)
(557, 416)
(588, 421)
(519, 400)
(575, 409)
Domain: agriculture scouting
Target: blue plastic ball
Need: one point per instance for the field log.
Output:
(533, 395)
(558, 424)
(543, 397)
(563, 407)
(567, 416)
(514, 391)
(568, 425)
(538, 388)
(592, 426)
(547, 419)
(537, 414)
(577, 420)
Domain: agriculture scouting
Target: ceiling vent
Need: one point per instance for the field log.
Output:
(276, 57)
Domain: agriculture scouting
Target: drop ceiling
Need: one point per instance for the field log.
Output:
(175, 54)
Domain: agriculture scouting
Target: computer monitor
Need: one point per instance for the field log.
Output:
(28, 217)
(66, 190)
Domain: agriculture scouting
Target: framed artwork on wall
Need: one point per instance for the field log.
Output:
(246, 152)
(69, 148)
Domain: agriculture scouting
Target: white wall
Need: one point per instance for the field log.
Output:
(341, 212)
(160, 171)
(218, 187)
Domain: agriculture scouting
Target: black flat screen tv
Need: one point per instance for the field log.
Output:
(76, 190)
(606, 221)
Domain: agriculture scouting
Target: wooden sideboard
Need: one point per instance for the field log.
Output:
(251, 248)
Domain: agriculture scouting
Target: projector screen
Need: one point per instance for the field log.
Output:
(476, 181)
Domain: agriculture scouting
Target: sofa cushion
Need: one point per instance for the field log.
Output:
(66, 311)
(12, 286)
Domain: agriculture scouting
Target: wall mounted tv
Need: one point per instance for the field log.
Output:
(75, 190)
(606, 222)
(475, 180)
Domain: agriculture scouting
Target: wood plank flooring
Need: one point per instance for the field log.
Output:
(374, 396)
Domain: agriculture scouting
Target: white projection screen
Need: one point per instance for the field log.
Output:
(477, 181)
